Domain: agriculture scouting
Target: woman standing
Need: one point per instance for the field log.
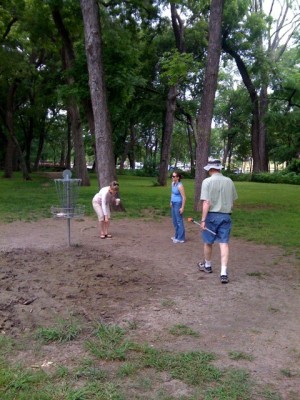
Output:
(177, 207)
(101, 204)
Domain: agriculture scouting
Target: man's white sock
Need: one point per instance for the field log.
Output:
(223, 270)
(207, 263)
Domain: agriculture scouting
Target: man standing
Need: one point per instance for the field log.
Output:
(218, 194)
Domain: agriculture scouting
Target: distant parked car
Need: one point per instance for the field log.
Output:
(139, 165)
(237, 171)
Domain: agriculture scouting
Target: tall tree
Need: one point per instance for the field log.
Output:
(12, 67)
(13, 143)
(268, 38)
(178, 29)
(204, 118)
(103, 133)
(73, 109)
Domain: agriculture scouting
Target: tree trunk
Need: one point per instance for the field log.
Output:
(10, 129)
(204, 118)
(255, 125)
(263, 152)
(191, 141)
(190, 127)
(167, 136)
(226, 151)
(42, 135)
(125, 153)
(9, 155)
(131, 153)
(28, 141)
(103, 132)
(178, 30)
(77, 134)
(69, 141)
(88, 108)
(256, 117)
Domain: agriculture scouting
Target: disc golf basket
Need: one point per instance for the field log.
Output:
(67, 190)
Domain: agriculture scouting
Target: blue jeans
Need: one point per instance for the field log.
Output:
(177, 220)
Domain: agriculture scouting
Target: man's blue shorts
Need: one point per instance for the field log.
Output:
(219, 223)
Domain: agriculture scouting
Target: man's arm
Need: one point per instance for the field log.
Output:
(205, 210)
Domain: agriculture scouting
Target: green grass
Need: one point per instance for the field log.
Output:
(236, 386)
(138, 374)
(239, 355)
(264, 213)
(256, 274)
(183, 330)
(109, 343)
(193, 368)
(268, 213)
(62, 331)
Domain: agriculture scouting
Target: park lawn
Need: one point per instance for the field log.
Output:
(264, 213)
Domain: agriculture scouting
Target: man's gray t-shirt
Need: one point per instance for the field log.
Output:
(220, 191)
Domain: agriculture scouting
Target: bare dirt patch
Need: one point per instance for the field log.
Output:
(140, 277)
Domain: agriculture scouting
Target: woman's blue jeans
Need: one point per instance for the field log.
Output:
(177, 220)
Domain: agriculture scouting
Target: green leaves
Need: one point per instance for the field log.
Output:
(176, 67)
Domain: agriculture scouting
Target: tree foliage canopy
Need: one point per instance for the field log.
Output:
(141, 63)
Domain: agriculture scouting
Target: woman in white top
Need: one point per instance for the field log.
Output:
(101, 204)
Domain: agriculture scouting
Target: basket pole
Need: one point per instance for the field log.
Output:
(67, 178)
(69, 231)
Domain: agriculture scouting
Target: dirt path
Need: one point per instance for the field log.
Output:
(141, 277)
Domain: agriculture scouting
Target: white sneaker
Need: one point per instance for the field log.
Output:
(178, 241)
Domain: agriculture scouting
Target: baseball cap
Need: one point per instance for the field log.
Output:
(213, 164)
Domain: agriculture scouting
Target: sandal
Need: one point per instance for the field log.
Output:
(102, 236)
(108, 236)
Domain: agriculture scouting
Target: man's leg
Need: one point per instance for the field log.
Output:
(224, 250)
(206, 265)
(207, 253)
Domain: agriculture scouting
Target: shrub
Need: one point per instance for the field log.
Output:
(277, 177)
(150, 167)
(291, 178)
(294, 166)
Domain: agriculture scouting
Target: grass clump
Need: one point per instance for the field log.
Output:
(183, 330)
(127, 369)
(240, 355)
(286, 372)
(6, 345)
(256, 274)
(62, 331)
(191, 367)
(109, 343)
(89, 391)
(269, 394)
(21, 383)
(168, 303)
(236, 385)
(90, 371)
